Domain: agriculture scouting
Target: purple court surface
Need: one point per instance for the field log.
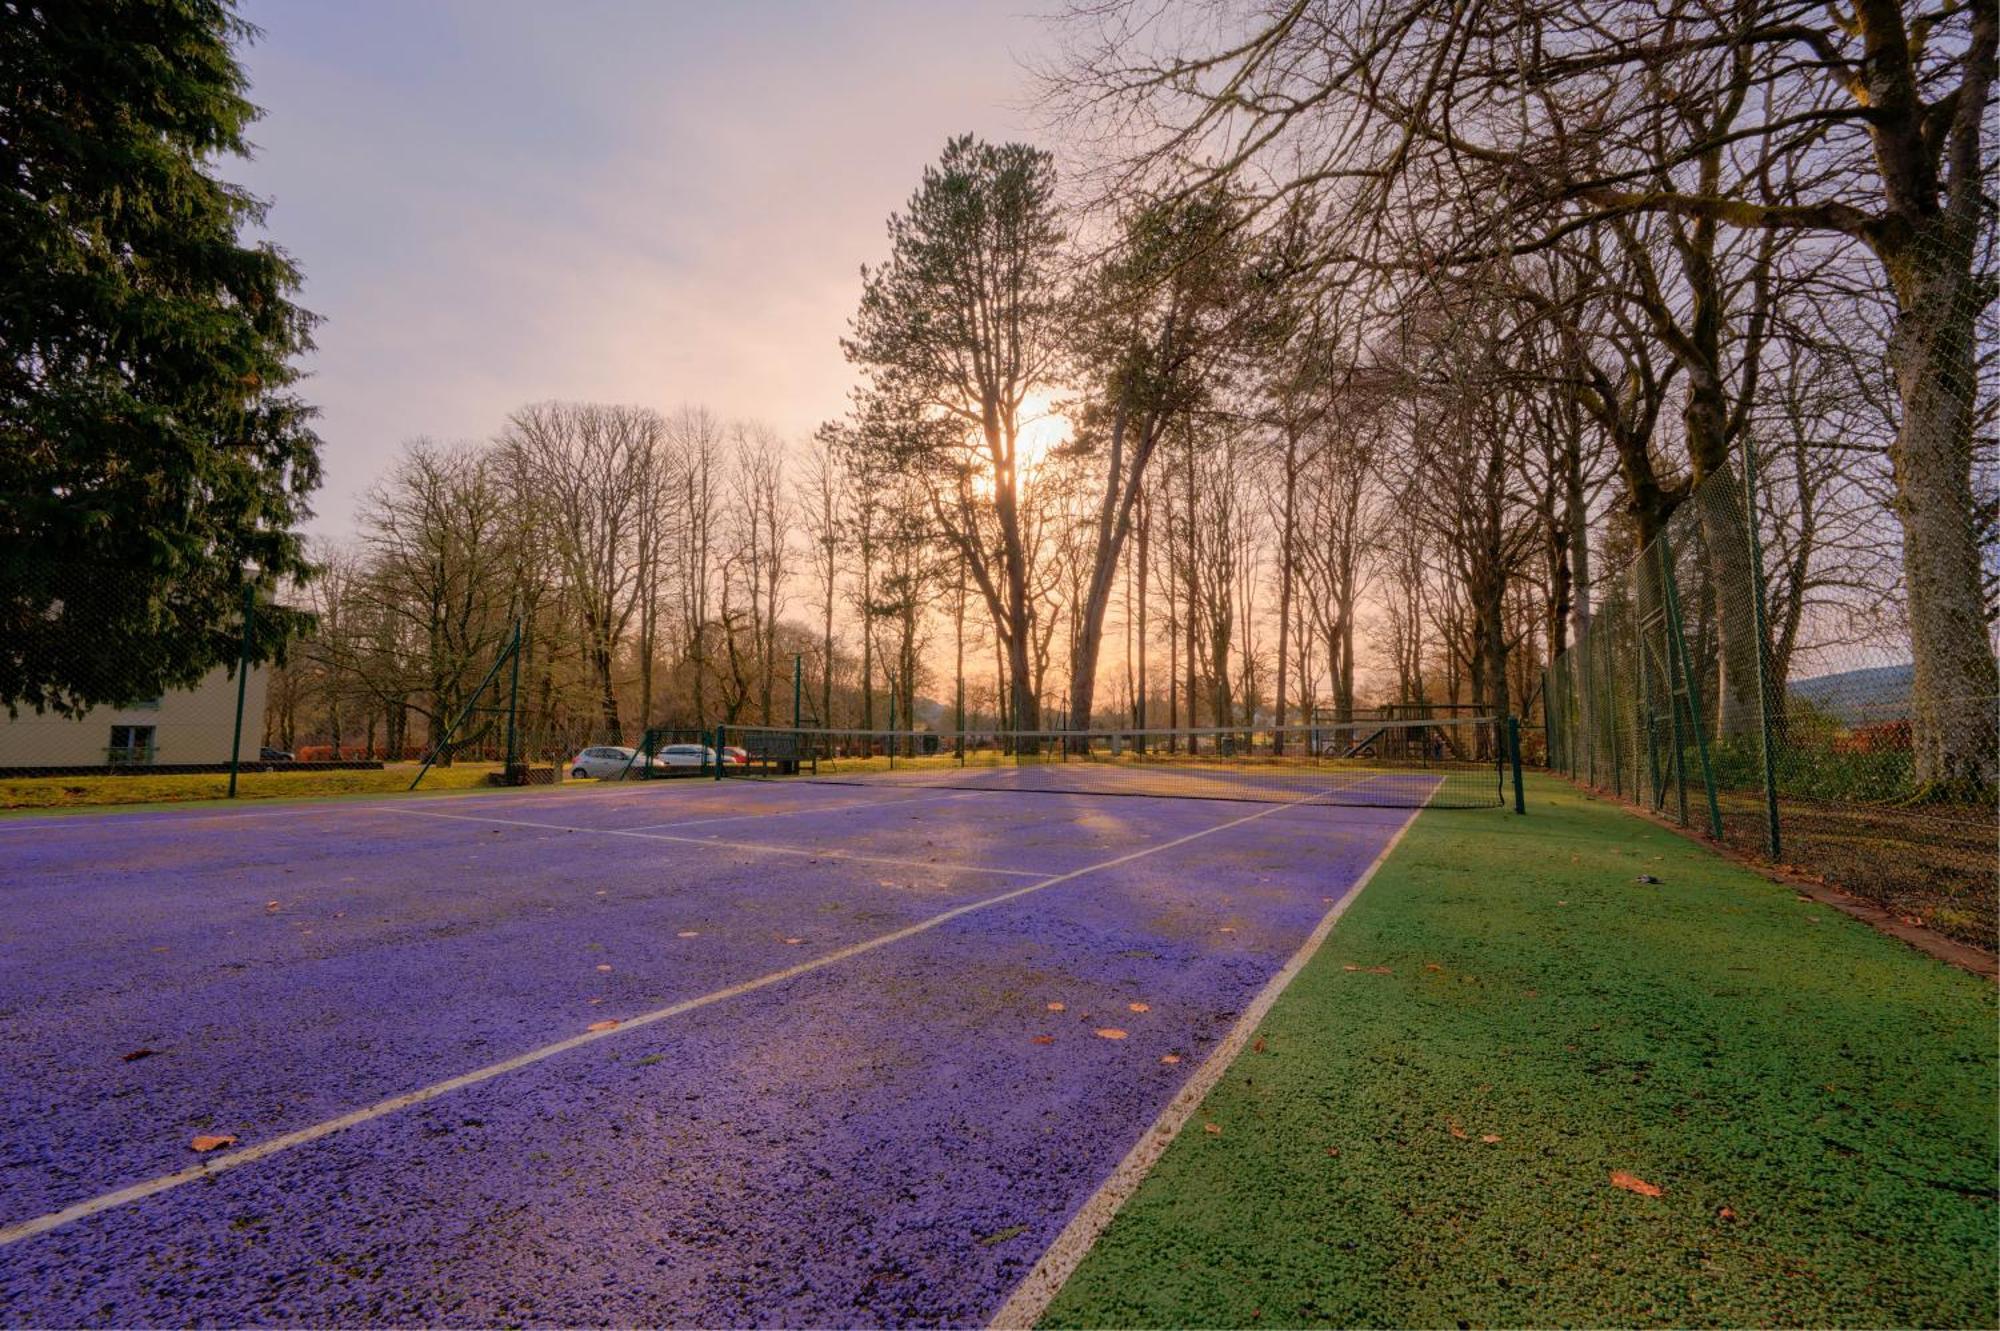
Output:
(839, 1089)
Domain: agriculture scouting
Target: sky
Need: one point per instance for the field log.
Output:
(502, 201)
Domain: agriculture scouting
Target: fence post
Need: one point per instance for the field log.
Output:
(1677, 644)
(719, 737)
(513, 711)
(1763, 667)
(242, 683)
(1514, 758)
(798, 684)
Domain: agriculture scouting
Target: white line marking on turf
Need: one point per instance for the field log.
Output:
(1031, 1298)
(945, 866)
(42, 1224)
(789, 813)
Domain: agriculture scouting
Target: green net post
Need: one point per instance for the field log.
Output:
(720, 736)
(1514, 761)
(1677, 645)
(798, 691)
(242, 683)
(1764, 708)
(514, 777)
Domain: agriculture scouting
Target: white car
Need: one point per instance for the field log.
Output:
(685, 755)
(607, 761)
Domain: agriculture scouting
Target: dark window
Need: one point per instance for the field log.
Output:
(131, 744)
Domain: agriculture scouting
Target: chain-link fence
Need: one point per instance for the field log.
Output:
(1795, 709)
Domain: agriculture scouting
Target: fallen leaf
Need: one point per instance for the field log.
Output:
(1432, 966)
(1633, 1183)
(270, 905)
(136, 1055)
(1258, 1047)
(1456, 1131)
(604, 968)
(1725, 1214)
(1333, 1150)
(1226, 929)
(795, 941)
(1138, 1007)
(1380, 970)
(1490, 1138)
(1212, 1129)
(205, 1144)
(1110, 1033)
(605, 1025)
(1170, 1059)
(1350, 966)
(1057, 1007)
(688, 933)
(1044, 1039)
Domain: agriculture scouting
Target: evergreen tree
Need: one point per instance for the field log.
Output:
(152, 452)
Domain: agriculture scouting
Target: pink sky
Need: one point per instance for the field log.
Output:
(654, 203)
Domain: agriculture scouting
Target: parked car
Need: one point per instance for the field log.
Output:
(733, 756)
(608, 761)
(275, 756)
(687, 756)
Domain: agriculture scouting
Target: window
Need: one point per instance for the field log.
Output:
(131, 744)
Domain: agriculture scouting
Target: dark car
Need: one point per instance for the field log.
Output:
(274, 756)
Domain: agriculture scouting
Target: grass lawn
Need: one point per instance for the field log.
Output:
(64, 792)
(1816, 1103)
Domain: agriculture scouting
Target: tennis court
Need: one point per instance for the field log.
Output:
(696, 1052)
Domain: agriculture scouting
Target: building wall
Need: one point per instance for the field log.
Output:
(189, 726)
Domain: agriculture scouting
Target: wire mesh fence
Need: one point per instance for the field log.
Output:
(1462, 762)
(1799, 710)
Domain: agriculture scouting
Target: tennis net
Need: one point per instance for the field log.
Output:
(1459, 762)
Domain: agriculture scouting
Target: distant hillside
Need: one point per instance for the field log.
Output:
(1860, 697)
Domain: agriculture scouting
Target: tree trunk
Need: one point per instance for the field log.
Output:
(1932, 354)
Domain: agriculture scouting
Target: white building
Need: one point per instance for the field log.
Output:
(183, 727)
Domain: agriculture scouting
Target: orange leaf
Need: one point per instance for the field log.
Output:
(205, 1144)
(1725, 1214)
(1258, 1047)
(1333, 1150)
(1056, 1007)
(1139, 1007)
(605, 1025)
(1633, 1183)
(1170, 1059)
(1456, 1131)
(688, 933)
(1045, 1039)
(604, 968)
(795, 941)
(1212, 1129)
(1110, 1033)
(1432, 966)
(1490, 1138)
(1226, 929)
(136, 1055)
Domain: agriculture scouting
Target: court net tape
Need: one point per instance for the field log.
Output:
(1459, 762)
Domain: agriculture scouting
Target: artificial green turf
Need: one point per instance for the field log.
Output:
(1714, 1035)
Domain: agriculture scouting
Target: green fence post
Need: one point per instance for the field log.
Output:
(1677, 644)
(1764, 708)
(514, 710)
(798, 686)
(719, 737)
(1514, 758)
(242, 683)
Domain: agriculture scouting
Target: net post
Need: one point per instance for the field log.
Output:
(242, 683)
(798, 686)
(719, 736)
(513, 712)
(1514, 762)
(1769, 773)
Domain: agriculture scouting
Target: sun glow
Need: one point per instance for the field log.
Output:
(1040, 432)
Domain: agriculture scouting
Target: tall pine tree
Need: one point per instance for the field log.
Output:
(152, 452)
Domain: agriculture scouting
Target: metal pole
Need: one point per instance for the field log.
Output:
(242, 683)
(1514, 758)
(798, 685)
(514, 707)
(1764, 705)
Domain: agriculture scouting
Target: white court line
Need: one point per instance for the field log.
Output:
(42, 1224)
(940, 865)
(789, 813)
(1031, 1298)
